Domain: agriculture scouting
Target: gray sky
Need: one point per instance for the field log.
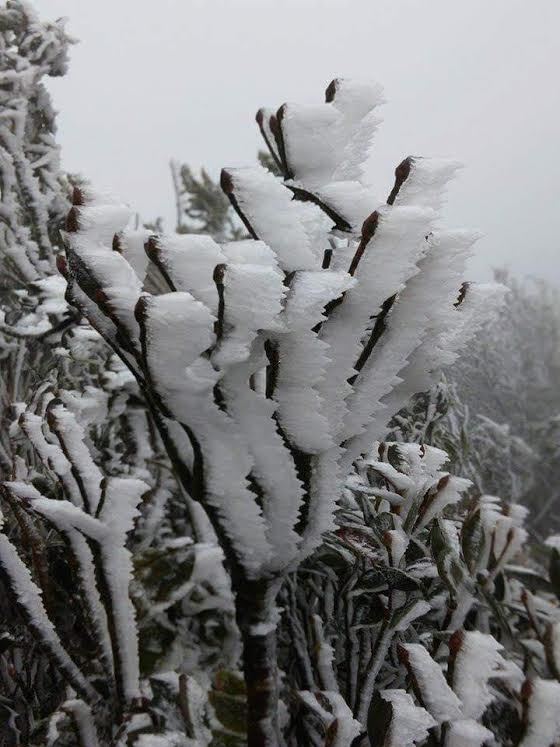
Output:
(476, 80)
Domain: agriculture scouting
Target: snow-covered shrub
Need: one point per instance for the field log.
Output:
(44, 349)
(416, 595)
(32, 203)
(29, 155)
(269, 365)
(196, 415)
(86, 622)
(510, 375)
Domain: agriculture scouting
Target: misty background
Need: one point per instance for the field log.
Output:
(183, 79)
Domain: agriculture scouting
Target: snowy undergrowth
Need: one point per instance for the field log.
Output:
(420, 594)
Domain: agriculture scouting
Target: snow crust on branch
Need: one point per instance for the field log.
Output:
(115, 519)
(330, 142)
(543, 718)
(28, 595)
(286, 353)
(438, 698)
(467, 733)
(296, 232)
(335, 715)
(409, 722)
(477, 660)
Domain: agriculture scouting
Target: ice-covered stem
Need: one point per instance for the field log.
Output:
(28, 597)
(257, 619)
(83, 720)
(372, 670)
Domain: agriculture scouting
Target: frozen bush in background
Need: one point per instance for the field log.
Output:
(33, 203)
(489, 454)
(510, 375)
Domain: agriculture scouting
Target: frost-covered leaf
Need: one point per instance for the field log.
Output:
(542, 717)
(432, 688)
(28, 595)
(477, 659)
(395, 721)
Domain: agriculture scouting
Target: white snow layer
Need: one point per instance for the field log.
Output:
(438, 698)
(477, 660)
(409, 723)
(467, 733)
(543, 727)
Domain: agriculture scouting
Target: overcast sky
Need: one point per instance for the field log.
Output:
(476, 80)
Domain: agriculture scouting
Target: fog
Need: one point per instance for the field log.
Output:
(472, 80)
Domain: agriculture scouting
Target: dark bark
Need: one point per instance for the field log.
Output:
(256, 618)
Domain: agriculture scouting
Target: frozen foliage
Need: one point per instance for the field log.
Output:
(246, 321)
(96, 530)
(94, 514)
(509, 377)
(285, 354)
(334, 714)
(32, 203)
(231, 387)
(488, 453)
(29, 157)
(475, 663)
(543, 720)
(467, 733)
(29, 597)
(408, 724)
(439, 699)
(424, 581)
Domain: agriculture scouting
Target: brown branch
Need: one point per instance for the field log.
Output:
(369, 227)
(402, 172)
(152, 248)
(303, 195)
(378, 329)
(226, 183)
(275, 124)
(260, 121)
